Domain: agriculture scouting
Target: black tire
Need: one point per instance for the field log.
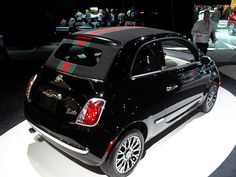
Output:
(231, 29)
(125, 155)
(210, 100)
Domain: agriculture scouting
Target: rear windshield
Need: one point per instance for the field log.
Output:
(80, 55)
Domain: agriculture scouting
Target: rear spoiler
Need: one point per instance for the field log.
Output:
(94, 39)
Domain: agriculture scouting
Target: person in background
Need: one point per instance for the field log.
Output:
(203, 31)
(215, 17)
(227, 12)
(196, 13)
(87, 17)
(121, 18)
(100, 17)
(79, 16)
(63, 23)
(72, 25)
(113, 17)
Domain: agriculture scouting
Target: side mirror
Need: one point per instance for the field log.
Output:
(206, 60)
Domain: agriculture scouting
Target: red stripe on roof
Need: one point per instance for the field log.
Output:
(65, 67)
(111, 29)
(81, 43)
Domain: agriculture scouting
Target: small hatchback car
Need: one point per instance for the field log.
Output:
(104, 92)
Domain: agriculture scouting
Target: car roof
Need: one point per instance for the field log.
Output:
(123, 34)
(109, 40)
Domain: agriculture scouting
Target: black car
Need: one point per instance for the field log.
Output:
(103, 93)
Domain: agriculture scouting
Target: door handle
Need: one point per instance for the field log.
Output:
(170, 88)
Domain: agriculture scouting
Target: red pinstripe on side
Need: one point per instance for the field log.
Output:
(109, 147)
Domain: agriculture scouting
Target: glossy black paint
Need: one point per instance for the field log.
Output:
(150, 102)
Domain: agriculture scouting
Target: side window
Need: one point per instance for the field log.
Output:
(147, 59)
(177, 53)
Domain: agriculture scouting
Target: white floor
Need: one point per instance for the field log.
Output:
(196, 149)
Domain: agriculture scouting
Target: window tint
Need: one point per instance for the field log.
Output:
(80, 55)
(147, 60)
(177, 53)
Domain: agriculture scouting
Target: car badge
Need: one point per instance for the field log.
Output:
(59, 78)
(71, 112)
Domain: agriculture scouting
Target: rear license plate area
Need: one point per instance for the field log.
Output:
(48, 103)
(49, 99)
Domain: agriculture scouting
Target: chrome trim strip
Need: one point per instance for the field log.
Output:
(59, 142)
(97, 80)
(145, 74)
(159, 120)
(186, 108)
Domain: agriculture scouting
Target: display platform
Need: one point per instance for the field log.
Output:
(195, 148)
(228, 70)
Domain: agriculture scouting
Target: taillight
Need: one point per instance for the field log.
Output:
(91, 112)
(29, 86)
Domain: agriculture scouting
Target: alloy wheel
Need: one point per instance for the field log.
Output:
(212, 94)
(128, 154)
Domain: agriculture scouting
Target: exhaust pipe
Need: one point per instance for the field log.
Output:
(32, 130)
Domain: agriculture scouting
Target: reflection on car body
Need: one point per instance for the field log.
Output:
(104, 93)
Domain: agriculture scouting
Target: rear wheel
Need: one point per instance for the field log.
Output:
(231, 29)
(125, 155)
(210, 100)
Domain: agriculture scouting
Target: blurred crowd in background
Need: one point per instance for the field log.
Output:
(94, 17)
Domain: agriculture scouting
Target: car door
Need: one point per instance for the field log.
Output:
(184, 85)
(146, 84)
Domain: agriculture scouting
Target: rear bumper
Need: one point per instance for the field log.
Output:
(81, 153)
(88, 145)
(78, 150)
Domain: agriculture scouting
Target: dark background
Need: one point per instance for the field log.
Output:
(31, 22)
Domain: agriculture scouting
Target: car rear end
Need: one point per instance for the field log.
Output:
(67, 101)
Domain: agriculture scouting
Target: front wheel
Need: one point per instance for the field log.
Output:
(210, 100)
(125, 155)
